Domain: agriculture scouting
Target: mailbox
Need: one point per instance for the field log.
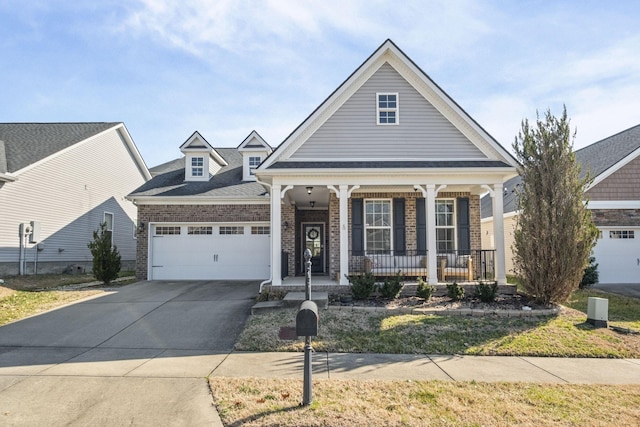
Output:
(307, 319)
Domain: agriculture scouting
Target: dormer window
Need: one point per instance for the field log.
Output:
(387, 111)
(197, 166)
(254, 162)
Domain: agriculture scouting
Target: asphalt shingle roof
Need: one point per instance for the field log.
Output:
(595, 159)
(168, 180)
(28, 143)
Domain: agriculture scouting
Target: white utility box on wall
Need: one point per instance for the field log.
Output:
(598, 312)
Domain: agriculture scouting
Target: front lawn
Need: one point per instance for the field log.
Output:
(565, 335)
(275, 402)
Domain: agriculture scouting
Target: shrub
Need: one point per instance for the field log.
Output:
(455, 291)
(590, 275)
(487, 291)
(424, 290)
(271, 295)
(106, 258)
(392, 286)
(362, 285)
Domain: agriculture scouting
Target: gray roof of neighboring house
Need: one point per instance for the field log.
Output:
(28, 143)
(596, 159)
(390, 164)
(168, 181)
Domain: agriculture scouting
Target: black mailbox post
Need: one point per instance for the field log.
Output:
(307, 326)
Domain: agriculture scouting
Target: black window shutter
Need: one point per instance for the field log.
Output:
(421, 226)
(464, 225)
(399, 244)
(357, 227)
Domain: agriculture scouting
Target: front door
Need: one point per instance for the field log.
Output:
(313, 239)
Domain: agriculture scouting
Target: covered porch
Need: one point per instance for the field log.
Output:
(420, 230)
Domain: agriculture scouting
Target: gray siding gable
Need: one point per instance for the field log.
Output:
(352, 132)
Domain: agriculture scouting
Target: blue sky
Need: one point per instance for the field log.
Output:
(166, 68)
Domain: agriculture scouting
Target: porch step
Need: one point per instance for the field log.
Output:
(266, 307)
(409, 289)
(294, 299)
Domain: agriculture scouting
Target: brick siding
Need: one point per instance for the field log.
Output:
(616, 217)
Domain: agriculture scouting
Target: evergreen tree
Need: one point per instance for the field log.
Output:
(555, 233)
(106, 258)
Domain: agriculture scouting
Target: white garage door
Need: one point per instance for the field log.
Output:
(210, 251)
(617, 254)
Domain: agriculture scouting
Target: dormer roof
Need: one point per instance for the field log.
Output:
(254, 142)
(196, 143)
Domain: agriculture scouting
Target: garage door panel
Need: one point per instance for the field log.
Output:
(214, 256)
(618, 258)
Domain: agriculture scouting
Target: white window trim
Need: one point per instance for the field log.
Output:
(252, 168)
(454, 220)
(396, 109)
(194, 167)
(390, 226)
(113, 223)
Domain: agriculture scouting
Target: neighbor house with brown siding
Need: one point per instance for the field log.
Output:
(613, 198)
(384, 176)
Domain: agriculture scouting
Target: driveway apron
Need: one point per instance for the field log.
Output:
(131, 356)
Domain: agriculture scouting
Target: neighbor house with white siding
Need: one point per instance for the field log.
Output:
(384, 176)
(58, 182)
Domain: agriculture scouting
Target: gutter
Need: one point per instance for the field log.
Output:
(270, 279)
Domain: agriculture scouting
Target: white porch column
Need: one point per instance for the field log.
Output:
(276, 236)
(432, 251)
(498, 233)
(343, 197)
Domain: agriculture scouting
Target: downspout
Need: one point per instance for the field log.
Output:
(270, 279)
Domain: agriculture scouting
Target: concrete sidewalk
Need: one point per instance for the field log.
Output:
(82, 386)
(432, 367)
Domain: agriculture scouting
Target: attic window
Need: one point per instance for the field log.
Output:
(197, 166)
(254, 162)
(387, 108)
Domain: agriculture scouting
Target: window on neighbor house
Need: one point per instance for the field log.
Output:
(622, 234)
(254, 162)
(108, 220)
(445, 225)
(377, 226)
(197, 166)
(387, 108)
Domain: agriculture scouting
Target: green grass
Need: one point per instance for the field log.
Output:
(623, 311)
(565, 335)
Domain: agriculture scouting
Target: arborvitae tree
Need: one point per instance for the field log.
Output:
(555, 233)
(106, 258)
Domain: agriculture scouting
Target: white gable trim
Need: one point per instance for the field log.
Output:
(613, 169)
(254, 135)
(389, 53)
(118, 127)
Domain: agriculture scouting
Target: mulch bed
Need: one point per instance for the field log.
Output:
(502, 302)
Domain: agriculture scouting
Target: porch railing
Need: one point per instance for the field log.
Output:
(452, 266)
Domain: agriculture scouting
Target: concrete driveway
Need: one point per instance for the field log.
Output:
(136, 356)
(627, 289)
